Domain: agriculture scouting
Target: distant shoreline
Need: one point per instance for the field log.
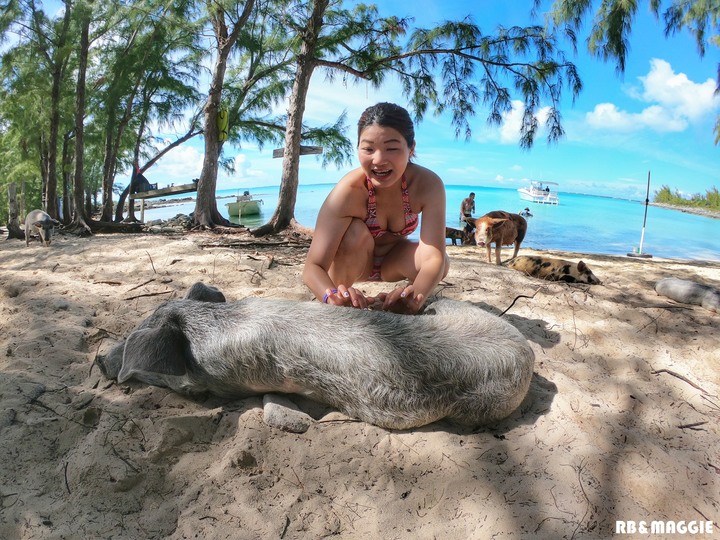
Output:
(705, 212)
(162, 203)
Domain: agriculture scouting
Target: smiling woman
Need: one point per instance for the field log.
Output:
(362, 228)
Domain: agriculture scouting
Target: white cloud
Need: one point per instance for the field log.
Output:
(509, 130)
(675, 102)
(327, 100)
(606, 116)
(180, 165)
(504, 181)
(676, 93)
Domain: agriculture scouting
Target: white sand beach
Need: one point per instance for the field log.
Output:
(621, 422)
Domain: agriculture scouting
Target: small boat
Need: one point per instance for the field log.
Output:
(540, 192)
(245, 205)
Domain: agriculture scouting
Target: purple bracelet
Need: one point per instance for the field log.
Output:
(325, 298)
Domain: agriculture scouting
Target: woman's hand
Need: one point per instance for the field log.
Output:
(402, 300)
(345, 296)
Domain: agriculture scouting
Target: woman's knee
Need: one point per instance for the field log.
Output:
(356, 240)
(353, 258)
(446, 261)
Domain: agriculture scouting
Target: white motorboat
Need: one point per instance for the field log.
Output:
(540, 192)
(245, 205)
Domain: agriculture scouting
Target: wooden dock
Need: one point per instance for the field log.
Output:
(170, 190)
(153, 193)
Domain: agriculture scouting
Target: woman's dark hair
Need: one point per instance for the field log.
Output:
(388, 115)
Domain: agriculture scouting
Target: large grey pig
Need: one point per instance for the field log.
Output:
(690, 292)
(454, 361)
(40, 222)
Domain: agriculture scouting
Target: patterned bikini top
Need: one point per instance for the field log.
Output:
(411, 219)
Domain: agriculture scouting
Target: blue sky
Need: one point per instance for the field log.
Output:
(657, 117)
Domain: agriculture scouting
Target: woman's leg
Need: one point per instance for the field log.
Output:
(405, 260)
(354, 258)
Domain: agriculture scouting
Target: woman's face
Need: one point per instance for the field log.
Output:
(384, 154)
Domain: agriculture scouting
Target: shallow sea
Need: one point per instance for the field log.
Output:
(580, 223)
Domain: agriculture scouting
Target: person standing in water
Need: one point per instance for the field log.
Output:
(362, 227)
(467, 207)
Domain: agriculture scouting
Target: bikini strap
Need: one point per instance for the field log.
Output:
(371, 204)
(405, 196)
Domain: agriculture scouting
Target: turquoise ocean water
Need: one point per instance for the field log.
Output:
(580, 223)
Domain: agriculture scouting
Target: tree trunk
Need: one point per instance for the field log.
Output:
(14, 230)
(80, 218)
(120, 207)
(22, 205)
(284, 215)
(66, 179)
(44, 160)
(51, 206)
(206, 213)
(108, 174)
(59, 63)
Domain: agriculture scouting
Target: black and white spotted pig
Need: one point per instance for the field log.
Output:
(40, 222)
(554, 269)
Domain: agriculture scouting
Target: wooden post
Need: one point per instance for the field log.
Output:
(304, 151)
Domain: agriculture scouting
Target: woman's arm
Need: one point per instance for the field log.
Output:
(334, 220)
(430, 258)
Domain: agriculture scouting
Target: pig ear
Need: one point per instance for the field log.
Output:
(38, 224)
(204, 293)
(582, 266)
(498, 220)
(155, 355)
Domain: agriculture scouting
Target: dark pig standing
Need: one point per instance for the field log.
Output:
(39, 221)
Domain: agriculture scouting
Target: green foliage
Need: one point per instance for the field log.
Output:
(146, 59)
(710, 201)
(479, 70)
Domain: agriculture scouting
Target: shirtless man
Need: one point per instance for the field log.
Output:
(467, 207)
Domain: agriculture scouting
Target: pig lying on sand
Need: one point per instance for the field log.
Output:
(690, 292)
(554, 269)
(454, 361)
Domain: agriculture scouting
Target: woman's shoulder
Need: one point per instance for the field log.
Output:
(351, 185)
(350, 193)
(423, 180)
(353, 179)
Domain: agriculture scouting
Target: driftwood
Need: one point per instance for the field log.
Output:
(112, 227)
(148, 294)
(681, 377)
